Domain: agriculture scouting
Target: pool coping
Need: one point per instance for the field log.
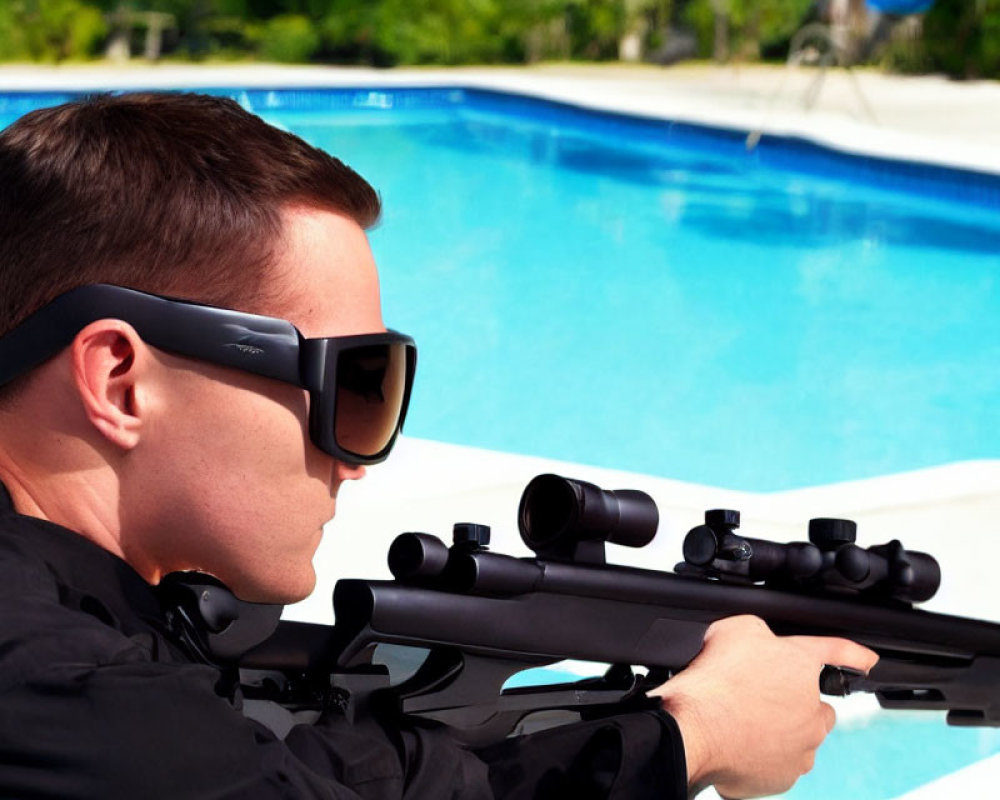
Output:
(705, 96)
(790, 151)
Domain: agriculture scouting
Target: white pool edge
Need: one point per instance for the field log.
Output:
(677, 97)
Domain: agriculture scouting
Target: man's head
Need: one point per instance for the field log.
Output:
(170, 462)
(173, 193)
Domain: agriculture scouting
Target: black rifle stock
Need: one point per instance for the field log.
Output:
(482, 617)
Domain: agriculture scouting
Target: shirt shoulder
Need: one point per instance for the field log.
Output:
(47, 622)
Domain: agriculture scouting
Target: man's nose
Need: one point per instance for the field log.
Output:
(350, 472)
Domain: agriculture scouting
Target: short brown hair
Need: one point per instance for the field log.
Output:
(164, 192)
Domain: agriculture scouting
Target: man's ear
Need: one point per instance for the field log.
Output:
(108, 359)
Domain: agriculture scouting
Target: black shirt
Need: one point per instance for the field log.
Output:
(97, 700)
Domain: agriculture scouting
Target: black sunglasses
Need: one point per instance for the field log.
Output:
(359, 386)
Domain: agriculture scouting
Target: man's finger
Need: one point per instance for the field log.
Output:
(829, 716)
(838, 652)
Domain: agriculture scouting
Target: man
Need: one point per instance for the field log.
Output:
(141, 434)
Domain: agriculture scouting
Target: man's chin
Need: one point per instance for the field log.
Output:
(284, 592)
(299, 592)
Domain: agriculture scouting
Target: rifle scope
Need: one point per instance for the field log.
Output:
(557, 514)
(829, 561)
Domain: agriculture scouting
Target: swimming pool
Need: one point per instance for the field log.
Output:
(674, 305)
(650, 296)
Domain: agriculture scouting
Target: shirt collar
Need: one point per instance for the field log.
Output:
(85, 571)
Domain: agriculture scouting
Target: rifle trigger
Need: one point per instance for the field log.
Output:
(836, 681)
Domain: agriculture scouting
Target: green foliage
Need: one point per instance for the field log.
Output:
(438, 31)
(433, 31)
(13, 44)
(349, 32)
(989, 43)
(700, 17)
(85, 32)
(962, 38)
(594, 27)
(753, 25)
(288, 38)
(49, 30)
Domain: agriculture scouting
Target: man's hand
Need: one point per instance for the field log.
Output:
(749, 706)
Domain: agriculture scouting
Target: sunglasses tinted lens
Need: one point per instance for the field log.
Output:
(371, 389)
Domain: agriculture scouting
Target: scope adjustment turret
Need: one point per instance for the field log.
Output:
(832, 534)
(470, 534)
(722, 518)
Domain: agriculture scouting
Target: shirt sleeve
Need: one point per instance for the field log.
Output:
(161, 731)
(98, 704)
(88, 712)
(142, 730)
(639, 756)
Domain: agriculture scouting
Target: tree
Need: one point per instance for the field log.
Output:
(744, 27)
(962, 38)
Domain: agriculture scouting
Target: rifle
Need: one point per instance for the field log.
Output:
(477, 618)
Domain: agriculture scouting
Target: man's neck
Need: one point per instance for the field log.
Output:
(66, 499)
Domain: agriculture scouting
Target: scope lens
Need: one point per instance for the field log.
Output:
(561, 512)
(548, 506)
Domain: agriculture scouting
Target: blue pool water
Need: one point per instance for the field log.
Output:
(659, 301)
(891, 754)
(648, 296)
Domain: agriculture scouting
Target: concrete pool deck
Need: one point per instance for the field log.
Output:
(950, 510)
(924, 118)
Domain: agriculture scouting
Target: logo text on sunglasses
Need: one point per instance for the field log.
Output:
(248, 349)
